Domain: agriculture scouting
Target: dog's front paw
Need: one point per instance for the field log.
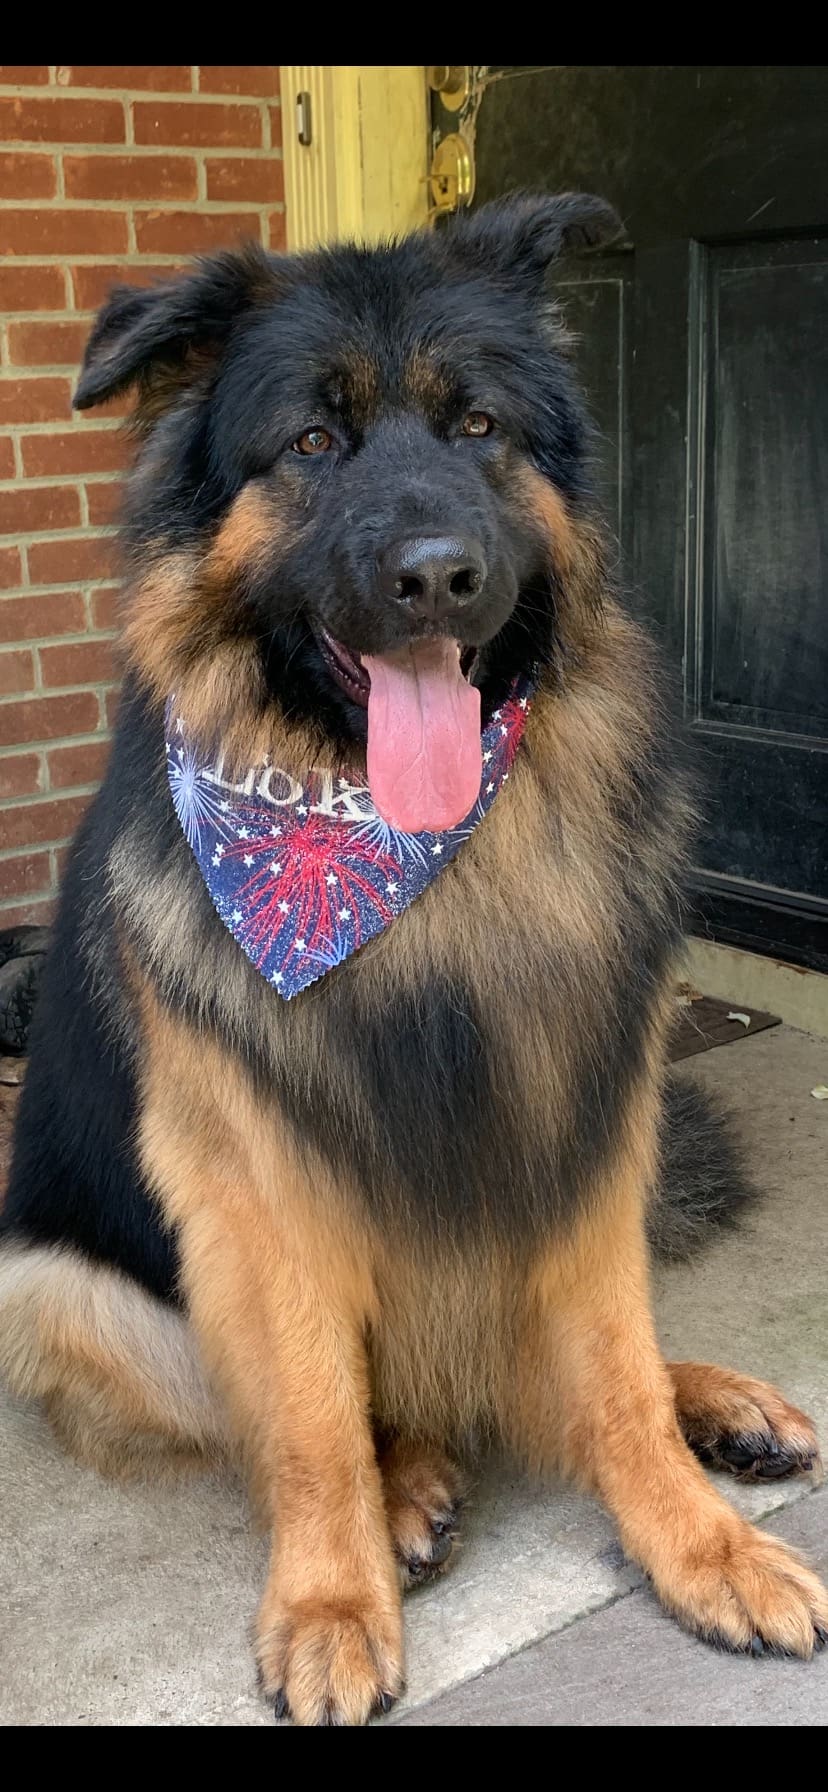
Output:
(329, 1662)
(749, 1592)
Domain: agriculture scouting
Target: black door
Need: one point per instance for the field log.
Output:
(704, 350)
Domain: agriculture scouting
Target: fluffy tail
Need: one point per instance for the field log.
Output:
(118, 1372)
(705, 1185)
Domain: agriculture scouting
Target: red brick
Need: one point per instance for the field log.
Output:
(103, 501)
(260, 79)
(130, 177)
(77, 662)
(26, 875)
(49, 613)
(275, 126)
(105, 606)
(6, 458)
(29, 508)
(276, 233)
(20, 775)
(31, 289)
(259, 179)
(77, 557)
(11, 569)
(16, 672)
(191, 232)
(61, 120)
(25, 914)
(160, 78)
(64, 232)
(91, 286)
(83, 764)
(15, 74)
(47, 344)
(74, 451)
(48, 718)
(35, 401)
(33, 824)
(27, 177)
(111, 705)
(204, 126)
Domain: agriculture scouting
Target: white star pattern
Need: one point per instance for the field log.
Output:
(522, 701)
(301, 809)
(344, 914)
(392, 889)
(436, 850)
(248, 858)
(275, 832)
(487, 756)
(224, 807)
(284, 908)
(503, 728)
(236, 915)
(243, 833)
(489, 789)
(299, 945)
(331, 878)
(277, 977)
(496, 715)
(276, 869)
(343, 783)
(216, 858)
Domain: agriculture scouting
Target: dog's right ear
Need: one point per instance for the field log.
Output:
(143, 334)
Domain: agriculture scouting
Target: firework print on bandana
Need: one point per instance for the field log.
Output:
(302, 874)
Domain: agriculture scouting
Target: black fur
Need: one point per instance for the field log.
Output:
(414, 1098)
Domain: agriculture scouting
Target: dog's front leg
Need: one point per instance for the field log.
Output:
(597, 1399)
(279, 1297)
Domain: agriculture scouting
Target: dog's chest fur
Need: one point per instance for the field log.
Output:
(468, 1068)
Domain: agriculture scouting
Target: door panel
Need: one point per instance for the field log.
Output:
(703, 348)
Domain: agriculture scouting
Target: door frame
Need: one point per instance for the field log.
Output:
(357, 178)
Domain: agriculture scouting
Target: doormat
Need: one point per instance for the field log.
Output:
(703, 1021)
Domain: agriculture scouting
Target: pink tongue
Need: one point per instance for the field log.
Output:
(424, 758)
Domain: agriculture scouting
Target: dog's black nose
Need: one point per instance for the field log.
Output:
(432, 575)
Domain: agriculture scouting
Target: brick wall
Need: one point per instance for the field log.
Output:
(106, 174)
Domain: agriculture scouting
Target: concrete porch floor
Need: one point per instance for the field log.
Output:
(131, 1607)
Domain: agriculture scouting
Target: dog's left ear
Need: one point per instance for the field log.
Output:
(520, 236)
(154, 337)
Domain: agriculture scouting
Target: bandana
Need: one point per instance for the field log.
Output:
(303, 874)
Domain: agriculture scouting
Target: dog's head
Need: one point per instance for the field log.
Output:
(357, 485)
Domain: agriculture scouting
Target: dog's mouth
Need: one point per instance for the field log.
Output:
(424, 755)
(351, 675)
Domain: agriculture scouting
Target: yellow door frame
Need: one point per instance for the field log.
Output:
(364, 173)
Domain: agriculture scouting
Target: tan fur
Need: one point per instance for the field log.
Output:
(280, 1296)
(597, 1400)
(713, 1404)
(120, 1374)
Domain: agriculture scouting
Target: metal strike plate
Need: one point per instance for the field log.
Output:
(452, 84)
(451, 176)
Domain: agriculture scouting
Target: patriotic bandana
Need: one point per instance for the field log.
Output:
(302, 874)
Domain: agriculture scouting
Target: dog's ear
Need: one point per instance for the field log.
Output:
(151, 334)
(521, 235)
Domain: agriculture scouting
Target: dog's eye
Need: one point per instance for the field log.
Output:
(314, 441)
(477, 424)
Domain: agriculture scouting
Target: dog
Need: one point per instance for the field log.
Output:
(338, 1178)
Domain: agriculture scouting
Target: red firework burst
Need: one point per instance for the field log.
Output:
(308, 870)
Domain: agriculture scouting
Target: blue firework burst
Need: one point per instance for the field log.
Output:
(380, 834)
(196, 800)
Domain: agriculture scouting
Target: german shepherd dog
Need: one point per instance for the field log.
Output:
(417, 1202)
